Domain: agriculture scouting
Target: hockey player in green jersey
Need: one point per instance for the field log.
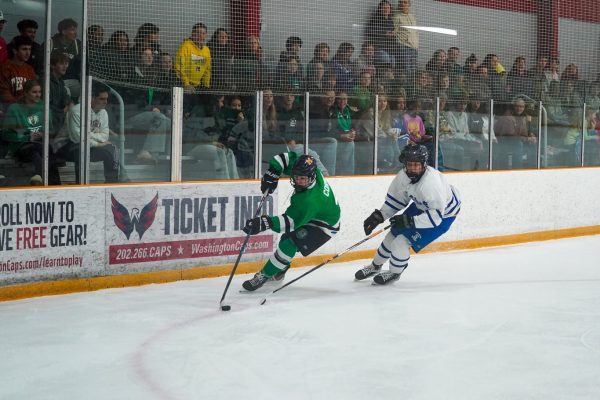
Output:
(312, 218)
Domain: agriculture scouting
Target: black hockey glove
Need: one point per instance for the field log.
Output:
(372, 221)
(402, 221)
(269, 181)
(257, 225)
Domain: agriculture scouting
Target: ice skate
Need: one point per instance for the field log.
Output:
(383, 278)
(256, 282)
(279, 277)
(366, 272)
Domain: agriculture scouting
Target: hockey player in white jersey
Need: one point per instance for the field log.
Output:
(432, 203)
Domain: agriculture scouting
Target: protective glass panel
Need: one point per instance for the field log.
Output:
(218, 136)
(22, 98)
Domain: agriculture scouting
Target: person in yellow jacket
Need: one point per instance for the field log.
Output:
(193, 61)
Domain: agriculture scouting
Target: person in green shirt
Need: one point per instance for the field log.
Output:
(310, 221)
(360, 96)
(23, 129)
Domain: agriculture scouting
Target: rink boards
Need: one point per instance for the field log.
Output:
(58, 240)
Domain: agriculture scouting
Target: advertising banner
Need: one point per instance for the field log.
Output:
(82, 232)
(45, 234)
(174, 225)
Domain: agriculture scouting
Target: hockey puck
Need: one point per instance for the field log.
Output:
(225, 308)
(263, 301)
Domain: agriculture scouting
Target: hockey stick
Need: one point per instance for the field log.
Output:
(226, 307)
(372, 235)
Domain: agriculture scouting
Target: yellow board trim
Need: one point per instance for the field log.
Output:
(22, 291)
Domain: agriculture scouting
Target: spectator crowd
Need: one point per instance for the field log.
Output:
(449, 97)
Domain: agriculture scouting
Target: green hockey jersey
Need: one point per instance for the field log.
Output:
(317, 204)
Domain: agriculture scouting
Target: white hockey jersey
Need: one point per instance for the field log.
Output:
(433, 197)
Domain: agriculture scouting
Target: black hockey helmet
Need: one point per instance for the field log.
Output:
(305, 166)
(414, 153)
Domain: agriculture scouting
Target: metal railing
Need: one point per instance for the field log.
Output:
(544, 146)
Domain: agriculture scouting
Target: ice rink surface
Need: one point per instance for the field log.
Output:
(519, 322)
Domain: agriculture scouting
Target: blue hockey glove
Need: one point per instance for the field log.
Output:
(257, 225)
(372, 221)
(269, 181)
(402, 221)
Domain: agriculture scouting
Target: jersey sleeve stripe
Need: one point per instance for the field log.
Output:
(454, 199)
(451, 201)
(278, 160)
(289, 223)
(283, 160)
(286, 225)
(286, 160)
(392, 206)
(396, 200)
(453, 208)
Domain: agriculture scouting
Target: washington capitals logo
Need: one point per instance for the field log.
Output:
(140, 221)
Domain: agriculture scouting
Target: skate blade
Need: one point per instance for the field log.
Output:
(378, 285)
(268, 286)
(259, 290)
(385, 284)
(364, 279)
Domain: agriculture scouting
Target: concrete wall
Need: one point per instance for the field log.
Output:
(36, 10)
(580, 41)
(482, 31)
(174, 18)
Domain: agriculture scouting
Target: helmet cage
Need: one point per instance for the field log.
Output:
(414, 153)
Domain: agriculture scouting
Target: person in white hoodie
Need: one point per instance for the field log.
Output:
(458, 122)
(101, 149)
(479, 125)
